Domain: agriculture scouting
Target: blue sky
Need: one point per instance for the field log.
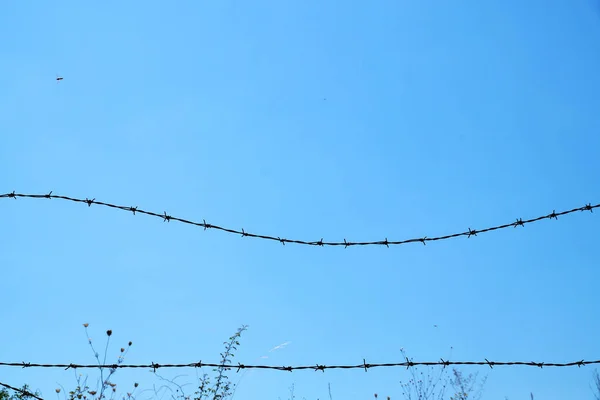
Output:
(302, 120)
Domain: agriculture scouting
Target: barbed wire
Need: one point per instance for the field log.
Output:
(317, 367)
(408, 363)
(168, 218)
(22, 391)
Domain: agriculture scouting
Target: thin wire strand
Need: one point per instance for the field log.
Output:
(167, 218)
(317, 367)
(24, 392)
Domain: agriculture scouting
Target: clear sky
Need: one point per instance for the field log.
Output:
(306, 119)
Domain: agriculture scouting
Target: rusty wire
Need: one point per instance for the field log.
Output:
(167, 218)
(317, 367)
(22, 391)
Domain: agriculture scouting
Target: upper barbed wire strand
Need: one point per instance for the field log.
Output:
(167, 218)
(317, 367)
